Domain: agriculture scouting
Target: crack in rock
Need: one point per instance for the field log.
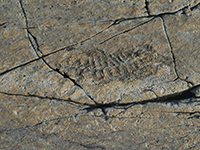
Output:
(173, 56)
(152, 17)
(147, 7)
(97, 64)
(35, 46)
(137, 117)
(179, 96)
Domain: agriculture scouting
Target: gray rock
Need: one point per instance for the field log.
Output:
(99, 74)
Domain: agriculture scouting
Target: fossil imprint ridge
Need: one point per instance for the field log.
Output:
(133, 64)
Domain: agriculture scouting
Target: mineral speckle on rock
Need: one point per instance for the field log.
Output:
(99, 74)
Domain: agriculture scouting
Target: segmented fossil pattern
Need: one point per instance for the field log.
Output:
(101, 67)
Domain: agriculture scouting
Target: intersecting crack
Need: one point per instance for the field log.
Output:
(151, 16)
(179, 96)
(173, 56)
(34, 44)
(176, 97)
(115, 104)
(120, 110)
(145, 22)
(115, 22)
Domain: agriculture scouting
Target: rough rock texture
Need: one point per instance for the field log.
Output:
(99, 74)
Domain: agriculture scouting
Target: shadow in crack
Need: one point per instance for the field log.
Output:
(178, 97)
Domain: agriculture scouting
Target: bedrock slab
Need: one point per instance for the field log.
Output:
(99, 74)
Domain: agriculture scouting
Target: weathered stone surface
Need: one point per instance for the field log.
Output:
(99, 74)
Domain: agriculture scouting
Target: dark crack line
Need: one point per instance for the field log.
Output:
(94, 35)
(115, 22)
(187, 112)
(30, 28)
(37, 49)
(161, 14)
(195, 7)
(2, 24)
(168, 98)
(192, 114)
(33, 60)
(145, 22)
(147, 7)
(179, 96)
(92, 146)
(170, 46)
(24, 13)
(24, 64)
(69, 100)
(172, 53)
(88, 146)
(118, 21)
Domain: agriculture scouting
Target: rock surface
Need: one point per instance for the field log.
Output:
(99, 74)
